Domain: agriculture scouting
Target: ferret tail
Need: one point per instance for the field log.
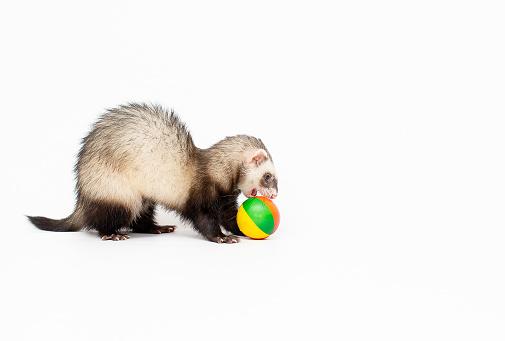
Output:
(63, 225)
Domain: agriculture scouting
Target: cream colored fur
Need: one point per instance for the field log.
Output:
(141, 152)
(137, 155)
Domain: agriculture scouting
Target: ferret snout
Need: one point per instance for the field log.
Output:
(269, 193)
(273, 194)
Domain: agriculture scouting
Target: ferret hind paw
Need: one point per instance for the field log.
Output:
(165, 229)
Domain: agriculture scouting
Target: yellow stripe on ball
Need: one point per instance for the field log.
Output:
(248, 227)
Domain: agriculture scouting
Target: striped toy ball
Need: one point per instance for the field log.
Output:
(258, 217)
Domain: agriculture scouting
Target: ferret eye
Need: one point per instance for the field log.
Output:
(267, 177)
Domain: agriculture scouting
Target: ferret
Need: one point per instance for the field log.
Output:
(137, 156)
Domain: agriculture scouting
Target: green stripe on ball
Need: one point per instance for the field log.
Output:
(260, 214)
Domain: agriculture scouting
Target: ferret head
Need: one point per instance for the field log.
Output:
(258, 175)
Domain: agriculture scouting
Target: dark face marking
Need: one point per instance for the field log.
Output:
(268, 181)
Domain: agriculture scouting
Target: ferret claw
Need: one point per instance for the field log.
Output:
(227, 239)
(116, 237)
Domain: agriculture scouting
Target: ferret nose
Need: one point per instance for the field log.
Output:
(273, 196)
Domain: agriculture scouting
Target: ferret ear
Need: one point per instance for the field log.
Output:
(258, 156)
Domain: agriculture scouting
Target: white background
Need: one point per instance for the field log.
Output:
(386, 123)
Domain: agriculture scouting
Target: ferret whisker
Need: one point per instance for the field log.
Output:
(228, 195)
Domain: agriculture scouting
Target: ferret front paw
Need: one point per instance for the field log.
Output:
(116, 237)
(227, 239)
